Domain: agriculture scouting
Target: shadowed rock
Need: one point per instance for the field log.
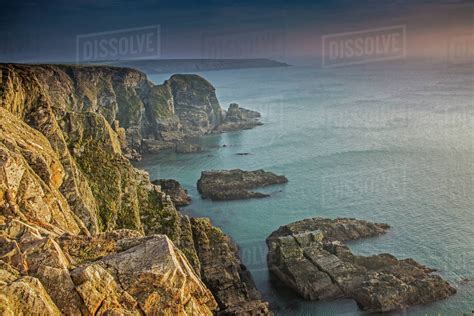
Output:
(223, 272)
(173, 188)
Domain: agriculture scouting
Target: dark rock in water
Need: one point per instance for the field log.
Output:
(223, 272)
(234, 184)
(187, 148)
(179, 196)
(237, 118)
(310, 257)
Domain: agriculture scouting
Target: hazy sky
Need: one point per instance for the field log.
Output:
(47, 30)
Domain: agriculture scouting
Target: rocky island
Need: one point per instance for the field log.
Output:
(84, 232)
(235, 184)
(310, 257)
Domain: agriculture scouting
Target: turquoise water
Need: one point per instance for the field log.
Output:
(389, 143)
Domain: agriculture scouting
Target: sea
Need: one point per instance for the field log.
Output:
(389, 142)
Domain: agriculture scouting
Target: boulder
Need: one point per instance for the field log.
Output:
(310, 257)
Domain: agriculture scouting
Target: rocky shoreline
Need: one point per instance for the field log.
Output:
(84, 232)
(235, 184)
(310, 257)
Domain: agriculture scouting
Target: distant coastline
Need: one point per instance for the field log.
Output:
(160, 66)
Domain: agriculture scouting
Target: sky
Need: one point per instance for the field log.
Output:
(35, 30)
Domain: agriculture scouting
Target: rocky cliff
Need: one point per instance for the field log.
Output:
(145, 116)
(82, 230)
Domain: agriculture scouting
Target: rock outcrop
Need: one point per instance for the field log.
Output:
(179, 196)
(71, 203)
(311, 258)
(235, 184)
(237, 118)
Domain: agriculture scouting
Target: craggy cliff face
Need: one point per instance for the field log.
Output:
(148, 117)
(82, 230)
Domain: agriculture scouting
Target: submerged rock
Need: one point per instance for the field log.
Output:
(234, 184)
(310, 257)
(173, 188)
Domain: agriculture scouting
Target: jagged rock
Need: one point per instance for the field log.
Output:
(173, 188)
(30, 177)
(24, 296)
(160, 278)
(234, 184)
(101, 293)
(309, 256)
(224, 274)
(237, 118)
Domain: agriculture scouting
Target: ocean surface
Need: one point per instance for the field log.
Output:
(391, 142)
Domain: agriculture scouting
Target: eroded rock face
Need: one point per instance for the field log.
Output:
(310, 257)
(224, 274)
(23, 295)
(31, 175)
(161, 279)
(173, 188)
(234, 184)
